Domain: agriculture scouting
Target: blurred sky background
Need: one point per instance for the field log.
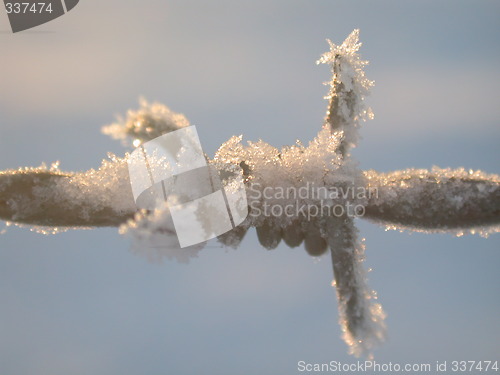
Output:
(82, 303)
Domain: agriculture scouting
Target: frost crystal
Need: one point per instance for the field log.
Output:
(153, 235)
(348, 88)
(440, 200)
(148, 122)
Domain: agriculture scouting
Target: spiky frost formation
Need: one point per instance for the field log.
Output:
(348, 88)
(146, 123)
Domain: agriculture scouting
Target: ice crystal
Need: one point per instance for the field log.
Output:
(154, 237)
(146, 123)
(348, 88)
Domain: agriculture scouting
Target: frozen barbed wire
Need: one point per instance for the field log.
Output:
(439, 200)
(443, 200)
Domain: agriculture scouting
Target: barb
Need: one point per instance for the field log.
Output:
(348, 88)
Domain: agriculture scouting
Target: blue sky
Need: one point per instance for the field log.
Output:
(81, 302)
